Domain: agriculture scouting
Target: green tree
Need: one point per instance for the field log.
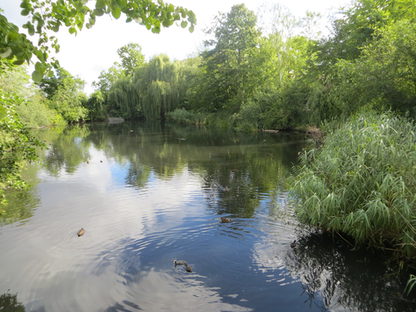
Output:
(123, 99)
(384, 76)
(68, 99)
(131, 57)
(157, 85)
(96, 106)
(108, 77)
(50, 83)
(33, 109)
(230, 73)
(358, 24)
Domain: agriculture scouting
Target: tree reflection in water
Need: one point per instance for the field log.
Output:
(347, 279)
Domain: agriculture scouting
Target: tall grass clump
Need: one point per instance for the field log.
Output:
(362, 182)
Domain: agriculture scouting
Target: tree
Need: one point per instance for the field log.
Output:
(157, 86)
(96, 106)
(107, 78)
(50, 83)
(131, 57)
(231, 74)
(357, 27)
(68, 99)
(48, 16)
(123, 100)
(33, 109)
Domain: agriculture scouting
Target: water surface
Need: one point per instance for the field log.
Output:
(147, 195)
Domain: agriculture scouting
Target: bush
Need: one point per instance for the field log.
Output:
(17, 146)
(36, 114)
(183, 116)
(362, 182)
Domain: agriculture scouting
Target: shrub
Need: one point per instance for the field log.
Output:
(183, 116)
(362, 182)
(16, 144)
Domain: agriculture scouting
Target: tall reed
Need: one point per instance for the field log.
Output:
(362, 182)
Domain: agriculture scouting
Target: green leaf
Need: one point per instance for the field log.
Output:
(19, 61)
(98, 12)
(184, 24)
(40, 67)
(37, 76)
(100, 4)
(116, 12)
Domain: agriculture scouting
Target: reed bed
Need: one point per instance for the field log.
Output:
(362, 182)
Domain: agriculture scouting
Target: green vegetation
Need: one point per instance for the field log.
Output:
(17, 145)
(282, 80)
(64, 96)
(362, 183)
(359, 183)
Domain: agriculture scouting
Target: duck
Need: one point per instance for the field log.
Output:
(81, 232)
(188, 268)
(179, 262)
(225, 220)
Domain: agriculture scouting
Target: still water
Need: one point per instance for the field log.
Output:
(147, 195)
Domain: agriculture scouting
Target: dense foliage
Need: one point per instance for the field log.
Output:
(249, 80)
(362, 182)
(17, 145)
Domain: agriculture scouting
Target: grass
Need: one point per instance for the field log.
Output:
(362, 182)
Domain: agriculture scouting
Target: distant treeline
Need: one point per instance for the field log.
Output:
(249, 80)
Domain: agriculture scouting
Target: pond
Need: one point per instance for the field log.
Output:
(147, 195)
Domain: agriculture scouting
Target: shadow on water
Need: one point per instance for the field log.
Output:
(347, 279)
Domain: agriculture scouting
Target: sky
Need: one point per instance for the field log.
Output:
(93, 50)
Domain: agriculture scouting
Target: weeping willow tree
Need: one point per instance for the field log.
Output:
(158, 86)
(123, 100)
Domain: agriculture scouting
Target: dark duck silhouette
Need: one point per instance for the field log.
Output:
(187, 267)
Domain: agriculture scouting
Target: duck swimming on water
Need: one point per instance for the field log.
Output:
(187, 267)
(81, 232)
(225, 220)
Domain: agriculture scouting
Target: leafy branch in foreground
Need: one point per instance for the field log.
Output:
(48, 16)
